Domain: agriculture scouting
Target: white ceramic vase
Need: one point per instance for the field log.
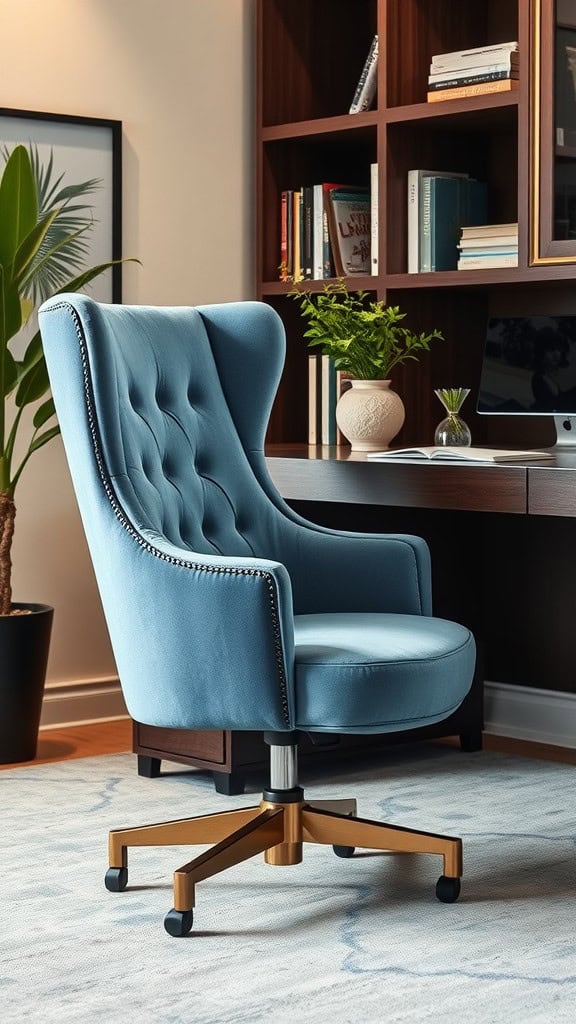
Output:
(370, 414)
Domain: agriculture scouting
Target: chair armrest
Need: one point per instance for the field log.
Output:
(336, 570)
(181, 620)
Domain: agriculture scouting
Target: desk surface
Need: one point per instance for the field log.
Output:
(335, 474)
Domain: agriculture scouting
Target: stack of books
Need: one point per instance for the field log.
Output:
(473, 72)
(488, 245)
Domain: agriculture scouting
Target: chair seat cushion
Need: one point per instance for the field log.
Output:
(365, 672)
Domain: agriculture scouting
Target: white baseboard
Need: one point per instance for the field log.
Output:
(520, 712)
(79, 703)
(527, 713)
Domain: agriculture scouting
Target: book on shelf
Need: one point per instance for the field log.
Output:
(478, 55)
(489, 262)
(321, 259)
(509, 67)
(468, 254)
(415, 178)
(296, 234)
(328, 401)
(489, 242)
(374, 218)
(285, 235)
(349, 230)
(323, 263)
(448, 204)
(489, 231)
(307, 232)
(442, 82)
(465, 91)
(453, 454)
(366, 88)
(314, 399)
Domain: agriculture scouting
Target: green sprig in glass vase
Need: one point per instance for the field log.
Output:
(453, 430)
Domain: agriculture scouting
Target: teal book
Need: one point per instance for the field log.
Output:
(454, 203)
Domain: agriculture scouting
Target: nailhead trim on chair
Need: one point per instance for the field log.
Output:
(184, 563)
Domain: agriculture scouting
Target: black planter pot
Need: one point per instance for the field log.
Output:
(24, 646)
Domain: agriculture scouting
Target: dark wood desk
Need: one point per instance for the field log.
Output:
(324, 474)
(502, 537)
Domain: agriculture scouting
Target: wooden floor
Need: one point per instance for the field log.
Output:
(116, 737)
(81, 741)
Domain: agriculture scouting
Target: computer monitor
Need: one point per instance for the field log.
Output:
(529, 369)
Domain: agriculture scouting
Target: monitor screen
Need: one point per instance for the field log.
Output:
(529, 366)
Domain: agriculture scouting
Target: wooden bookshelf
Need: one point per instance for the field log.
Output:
(309, 58)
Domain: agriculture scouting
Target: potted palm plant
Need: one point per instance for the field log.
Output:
(43, 234)
(366, 340)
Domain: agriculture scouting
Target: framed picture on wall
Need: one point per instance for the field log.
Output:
(80, 149)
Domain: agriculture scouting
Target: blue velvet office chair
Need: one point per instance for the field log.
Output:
(225, 609)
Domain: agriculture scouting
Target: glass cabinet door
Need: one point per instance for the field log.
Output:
(553, 67)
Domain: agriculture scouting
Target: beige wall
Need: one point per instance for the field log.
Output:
(178, 74)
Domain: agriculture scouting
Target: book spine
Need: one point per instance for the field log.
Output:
(328, 258)
(477, 51)
(413, 221)
(487, 262)
(296, 234)
(313, 399)
(307, 234)
(374, 218)
(284, 268)
(424, 262)
(366, 88)
(465, 91)
(492, 230)
(328, 401)
(451, 82)
(488, 241)
(467, 252)
(318, 232)
(436, 74)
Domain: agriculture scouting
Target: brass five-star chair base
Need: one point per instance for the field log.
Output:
(277, 827)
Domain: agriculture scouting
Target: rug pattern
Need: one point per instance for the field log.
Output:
(347, 941)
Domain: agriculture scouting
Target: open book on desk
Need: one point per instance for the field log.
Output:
(451, 454)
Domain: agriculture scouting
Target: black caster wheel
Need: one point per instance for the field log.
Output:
(178, 922)
(344, 851)
(447, 889)
(116, 879)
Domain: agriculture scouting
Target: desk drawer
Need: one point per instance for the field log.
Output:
(551, 492)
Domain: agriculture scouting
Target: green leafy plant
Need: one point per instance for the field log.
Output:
(364, 338)
(43, 231)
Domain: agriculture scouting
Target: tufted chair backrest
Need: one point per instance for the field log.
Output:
(167, 439)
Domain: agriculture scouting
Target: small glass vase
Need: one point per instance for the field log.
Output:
(453, 430)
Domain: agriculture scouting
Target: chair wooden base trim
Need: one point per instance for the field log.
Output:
(278, 829)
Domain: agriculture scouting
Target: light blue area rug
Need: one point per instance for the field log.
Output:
(340, 941)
